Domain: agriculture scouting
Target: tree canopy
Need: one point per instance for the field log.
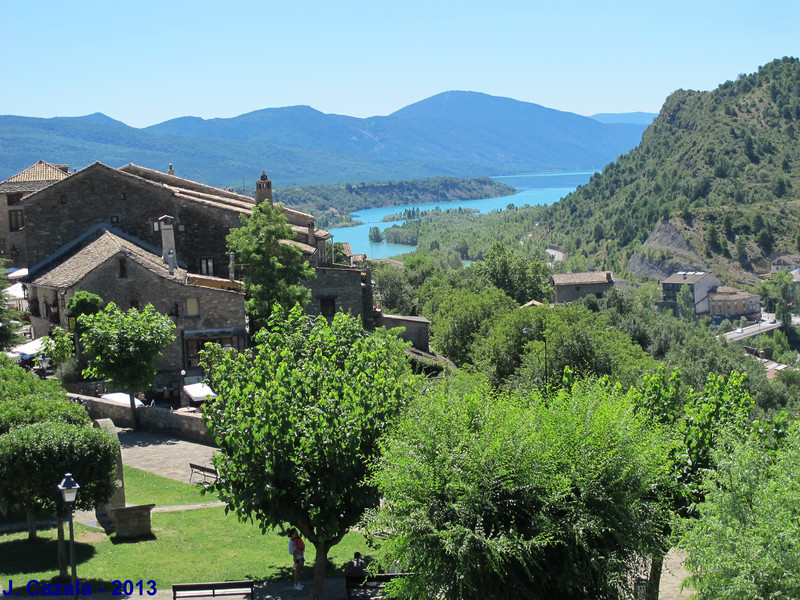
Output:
(273, 267)
(124, 346)
(298, 418)
(491, 495)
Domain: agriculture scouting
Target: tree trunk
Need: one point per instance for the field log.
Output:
(62, 550)
(654, 581)
(31, 525)
(320, 562)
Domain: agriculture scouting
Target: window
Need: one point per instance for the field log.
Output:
(135, 304)
(123, 268)
(14, 198)
(156, 226)
(63, 198)
(207, 266)
(192, 308)
(16, 220)
(123, 196)
(115, 219)
(327, 307)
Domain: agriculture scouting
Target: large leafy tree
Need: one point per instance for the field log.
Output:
(273, 267)
(521, 278)
(504, 496)
(36, 457)
(298, 419)
(124, 346)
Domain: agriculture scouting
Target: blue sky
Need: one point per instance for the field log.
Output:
(144, 62)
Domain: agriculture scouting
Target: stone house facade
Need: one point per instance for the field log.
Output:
(113, 266)
(133, 198)
(13, 245)
(569, 287)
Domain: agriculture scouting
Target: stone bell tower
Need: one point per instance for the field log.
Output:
(263, 189)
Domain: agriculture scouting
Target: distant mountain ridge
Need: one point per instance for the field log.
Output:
(462, 134)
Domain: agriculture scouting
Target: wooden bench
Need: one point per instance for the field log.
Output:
(206, 472)
(355, 582)
(212, 588)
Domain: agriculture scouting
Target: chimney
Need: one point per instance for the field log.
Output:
(231, 266)
(171, 262)
(263, 189)
(167, 237)
(170, 172)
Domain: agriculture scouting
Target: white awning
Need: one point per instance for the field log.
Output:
(121, 398)
(31, 348)
(199, 392)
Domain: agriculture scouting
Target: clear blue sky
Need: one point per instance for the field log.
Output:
(144, 62)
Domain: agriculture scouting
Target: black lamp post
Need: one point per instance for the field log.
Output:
(69, 491)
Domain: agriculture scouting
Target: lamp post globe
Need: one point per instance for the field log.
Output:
(69, 492)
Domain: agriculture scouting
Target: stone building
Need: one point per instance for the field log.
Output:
(12, 213)
(114, 266)
(569, 287)
(132, 199)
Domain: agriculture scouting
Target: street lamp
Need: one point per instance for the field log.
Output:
(69, 492)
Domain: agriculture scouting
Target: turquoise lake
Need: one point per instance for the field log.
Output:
(532, 190)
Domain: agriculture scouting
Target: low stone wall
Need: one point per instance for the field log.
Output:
(185, 426)
(132, 521)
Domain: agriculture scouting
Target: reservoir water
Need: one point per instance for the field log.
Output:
(533, 190)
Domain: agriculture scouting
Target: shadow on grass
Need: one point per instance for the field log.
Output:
(115, 539)
(332, 570)
(23, 556)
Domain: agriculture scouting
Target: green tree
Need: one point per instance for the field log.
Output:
(125, 346)
(273, 267)
(59, 347)
(522, 279)
(36, 458)
(464, 317)
(746, 541)
(686, 308)
(298, 420)
(375, 235)
(502, 496)
(84, 303)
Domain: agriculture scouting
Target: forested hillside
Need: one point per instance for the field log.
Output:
(722, 168)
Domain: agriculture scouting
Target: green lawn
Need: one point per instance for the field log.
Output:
(191, 545)
(142, 487)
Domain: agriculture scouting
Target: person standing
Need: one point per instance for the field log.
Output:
(297, 548)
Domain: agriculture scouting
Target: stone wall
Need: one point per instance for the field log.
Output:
(341, 287)
(571, 293)
(99, 194)
(417, 329)
(185, 426)
(12, 243)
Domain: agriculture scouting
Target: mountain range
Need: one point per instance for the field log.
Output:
(463, 134)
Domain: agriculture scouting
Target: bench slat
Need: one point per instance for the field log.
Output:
(212, 588)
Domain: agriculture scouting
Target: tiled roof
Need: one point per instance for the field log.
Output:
(72, 270)
(588, 278)
(346, 249)
(34, 178)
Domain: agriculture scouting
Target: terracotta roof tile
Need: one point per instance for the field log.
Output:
(587, 278)
(34, 178)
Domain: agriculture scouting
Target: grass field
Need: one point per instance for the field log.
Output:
(189, 545)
